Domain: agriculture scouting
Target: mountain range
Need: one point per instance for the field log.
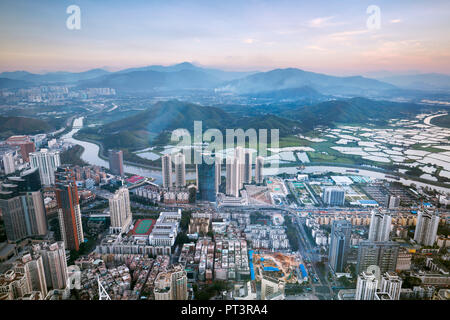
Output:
(289, 83)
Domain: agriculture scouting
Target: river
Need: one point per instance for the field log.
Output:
(91, 156)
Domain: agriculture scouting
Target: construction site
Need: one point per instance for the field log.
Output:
(281, 266)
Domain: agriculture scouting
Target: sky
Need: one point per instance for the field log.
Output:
(318, 35)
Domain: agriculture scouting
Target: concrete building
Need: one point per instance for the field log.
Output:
(426, 227)
(218, 174)
(47, 162)
(115, 158)
(380, 226)
(393, 202)
(248, 162)
(259, 167)
(120, 211)
(403, 260)
(391, 283)
(55, 263)
(366, 286)
(339, 245)
(381, 254)
(69, 212)
(22, 206)
(166, 161)
(180, 170)
(33, 267)
(333, 196)
(8, 155)
(13, 285)
(272, 288)
(171, 285)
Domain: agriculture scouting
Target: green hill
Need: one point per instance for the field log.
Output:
(19, 125)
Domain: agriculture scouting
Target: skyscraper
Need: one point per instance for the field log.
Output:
(166, 161)
(47, 162)
(33, 267)
(248, 166)
(339, 245)
(271, 286)
(55, 263)
(259, 176)
(180, 170)
(207, 178)
(239, 156)
(380, 226)
(120, 210)
(381, 254)
(391, 283)
(366, 286)
(426, 227)
(69, 212)
(333, 196)
(22, 206)
(116, 162)
(218, 168)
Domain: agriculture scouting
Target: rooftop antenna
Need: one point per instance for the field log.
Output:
(102, 294)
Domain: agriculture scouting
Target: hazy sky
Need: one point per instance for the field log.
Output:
(323, 36)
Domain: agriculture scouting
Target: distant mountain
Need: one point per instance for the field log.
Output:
(351, 111)
(154, 81)
(216, 73)
(302, 93)
(54, 77)
(280, 79)
(19, 125)
(423, 82)
(13, 84)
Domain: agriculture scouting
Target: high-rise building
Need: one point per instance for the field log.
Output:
(426, 227)
(218, 168)
(69, 212)
(207, 178)
(231, 186)
(33, 267)
(7, 159)
(333, 196)
(25, 143)
(239, 156)
(115, 158)
(22, 206)
(248, 161)
(13, 285)
(380, 226)
(259, 167)
(381, 254)
(55, 263)
(366, 286)
(393, 202)
(171, 285)
(180, 170)
(339, 245)
(391, 283)
(270, 287)
(120, 210)
(47, 162)
(166, 161)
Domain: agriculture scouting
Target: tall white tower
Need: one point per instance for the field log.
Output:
(380, 226)
(180, 170)
(259, 176)
(47, 162)
(120, 211)
(366, 286)
(167, 170)
(426, 227)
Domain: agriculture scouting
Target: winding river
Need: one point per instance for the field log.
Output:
(91, 156)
